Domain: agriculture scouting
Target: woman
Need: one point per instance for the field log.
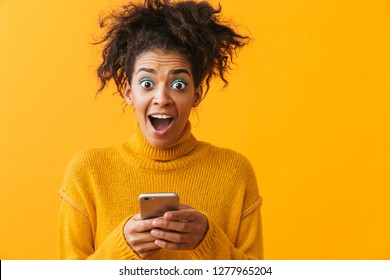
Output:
(162, 57)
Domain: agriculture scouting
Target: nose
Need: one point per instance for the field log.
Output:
(162, 97)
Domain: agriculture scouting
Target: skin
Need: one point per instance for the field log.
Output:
(176, 230)
(162, 83)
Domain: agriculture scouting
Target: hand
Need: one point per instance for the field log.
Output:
(180, 230)
(137, 234)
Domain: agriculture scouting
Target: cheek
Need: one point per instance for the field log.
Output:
(140, 101)
(139, 107)
(185, 109)
(185, 106)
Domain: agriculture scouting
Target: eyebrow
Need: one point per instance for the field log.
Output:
(174, 71)
(149, 70)
(178, 71)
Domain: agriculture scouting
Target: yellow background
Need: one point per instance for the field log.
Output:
(308, 104)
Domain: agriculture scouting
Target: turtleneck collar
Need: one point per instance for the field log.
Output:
(182, 146)
(176, 156)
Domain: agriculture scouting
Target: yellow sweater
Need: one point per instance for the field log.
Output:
(101, 187)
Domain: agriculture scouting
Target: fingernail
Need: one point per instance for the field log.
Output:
(157, 223)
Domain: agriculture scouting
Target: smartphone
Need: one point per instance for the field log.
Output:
(154, 205)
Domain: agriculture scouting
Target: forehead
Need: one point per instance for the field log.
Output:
(161, 61)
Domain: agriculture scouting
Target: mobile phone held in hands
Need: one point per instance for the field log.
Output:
(154, 205)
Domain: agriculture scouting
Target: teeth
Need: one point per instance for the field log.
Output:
(161, 116)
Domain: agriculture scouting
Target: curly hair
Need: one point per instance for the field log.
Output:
(189, 27)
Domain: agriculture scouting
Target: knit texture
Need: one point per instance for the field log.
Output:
(101, 187)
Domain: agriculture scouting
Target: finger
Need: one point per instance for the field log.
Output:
(143, 237)
(182, 215)
(145, 250)
(140, 225)
(137, 217)
(179, 226)
(134, 239)
(145, 246)
(173, 236)
(173, 246)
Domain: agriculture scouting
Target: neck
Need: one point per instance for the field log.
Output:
(181, 154)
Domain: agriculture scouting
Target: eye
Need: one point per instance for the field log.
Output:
(146, 83)
(179, 84)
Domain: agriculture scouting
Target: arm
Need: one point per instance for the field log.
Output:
(76, 236)
(208, 241)
(248, 245)
(77, 217)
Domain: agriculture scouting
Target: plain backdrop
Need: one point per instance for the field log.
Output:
(307, 103)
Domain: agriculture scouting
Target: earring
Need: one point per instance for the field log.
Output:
(128, 100)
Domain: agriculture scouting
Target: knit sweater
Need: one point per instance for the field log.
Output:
(101, 187)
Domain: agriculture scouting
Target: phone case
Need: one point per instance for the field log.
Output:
(154, 205)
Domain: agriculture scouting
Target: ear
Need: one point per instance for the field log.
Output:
(198, 97)
(128, 94)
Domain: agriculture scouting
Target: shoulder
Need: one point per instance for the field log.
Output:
(229, 158)
(90, 158)
(84, 167)
(238, 168)
(91, 154)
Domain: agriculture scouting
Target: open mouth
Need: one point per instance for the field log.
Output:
(160, 122)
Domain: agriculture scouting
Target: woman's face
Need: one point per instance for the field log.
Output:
(162, 92)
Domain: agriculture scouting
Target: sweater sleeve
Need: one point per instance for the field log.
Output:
(76, 239)
(249, 244)
(77, 219)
